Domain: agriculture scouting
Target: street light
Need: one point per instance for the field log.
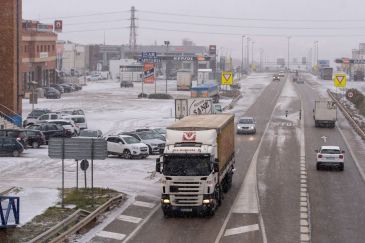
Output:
(288, 53)
(316, 48)
(167, 43)
(253, 43)
(248, 52)
(242, 55)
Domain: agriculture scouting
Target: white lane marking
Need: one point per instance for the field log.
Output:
(135, 231)
(241, 230)
(130, 219)
(144, 204)
(110, 235)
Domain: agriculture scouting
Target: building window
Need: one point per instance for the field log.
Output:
(37, 48)
(49, 48)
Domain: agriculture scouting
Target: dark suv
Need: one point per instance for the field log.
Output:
(18, 134)
(50, 130)
(10, 146)
(126, 84)
(35, 138)
(50, 92)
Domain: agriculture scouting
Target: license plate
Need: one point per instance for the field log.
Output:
(330, 157)
(186, 210)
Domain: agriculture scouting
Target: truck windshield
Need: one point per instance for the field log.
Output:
(183, 165)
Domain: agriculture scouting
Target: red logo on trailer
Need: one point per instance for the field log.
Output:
(189, 137)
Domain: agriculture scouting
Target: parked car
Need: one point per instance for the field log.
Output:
(18, 134)
(155, 146)
(72, 112)
(126, 84)
(80, 120)
(53, 93)
(126, 146)
(330, 156)
(67, 88)
(35, 138)
(154, 133)
(51, 130)
(69, 125)
(87, 133)
(33, 116)
(246, 125)
(10, 146)
(58, 87)
(49, 116)
(161, 131)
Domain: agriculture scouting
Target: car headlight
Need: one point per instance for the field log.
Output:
(135, 148)
(252, 127)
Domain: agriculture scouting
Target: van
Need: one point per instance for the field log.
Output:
(49, 116)
(10, 146)
(80, 120)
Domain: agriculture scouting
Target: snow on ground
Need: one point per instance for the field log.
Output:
(111, 109)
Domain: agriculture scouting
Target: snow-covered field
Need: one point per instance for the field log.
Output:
(111, 109)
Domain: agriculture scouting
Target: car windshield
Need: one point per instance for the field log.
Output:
(147, 135)
(330, 151)
(246, 121)
(160, 130)
(37, 113)
(187, 165)
(131, 140)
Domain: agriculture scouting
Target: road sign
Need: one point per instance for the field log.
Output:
(77, 148)
(149, 73)
(340, 80)
(84, 165)
(350, 94)
(149, 55)
(227, 78)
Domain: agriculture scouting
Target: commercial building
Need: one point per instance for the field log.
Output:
(74, 58)
(38, 54)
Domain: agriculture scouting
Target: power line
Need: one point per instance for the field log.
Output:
(85, 15)
(251, 19)
(97, 22)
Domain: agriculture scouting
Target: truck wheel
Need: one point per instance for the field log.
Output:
(35, 144)
(318, 166)
(167, 213)
(227, 183)
(16, 153)
(218, 195)
(149, 149)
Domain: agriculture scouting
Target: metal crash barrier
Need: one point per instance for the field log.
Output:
(9, 211)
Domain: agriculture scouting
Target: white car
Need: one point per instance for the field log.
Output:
(246, 125)
(330, 156)
(126, 146)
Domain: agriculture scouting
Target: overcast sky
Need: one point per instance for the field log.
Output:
(306, 21)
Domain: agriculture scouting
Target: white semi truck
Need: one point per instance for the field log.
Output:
(197, 164)
(325, 113)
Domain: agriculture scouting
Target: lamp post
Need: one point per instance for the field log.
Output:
(242, 55)
(248, 54)
(167, 43)
(253, 43)
(33, 83)
(288, 53)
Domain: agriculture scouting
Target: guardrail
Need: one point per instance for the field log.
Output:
(62, 237)
(14, 118)
(344, 110)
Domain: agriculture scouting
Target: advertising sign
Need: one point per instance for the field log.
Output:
(149, 73)
(194, 106)
(58, 26)
(212, 50)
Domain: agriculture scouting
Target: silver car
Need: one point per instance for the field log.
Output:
(246, 125)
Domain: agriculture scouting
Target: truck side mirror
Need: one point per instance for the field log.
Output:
(216, 167)
(316, 150)
(343, 151)
(158, 165)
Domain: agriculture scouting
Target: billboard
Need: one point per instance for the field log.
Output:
(149, 73)
(280, 61)
(58, 26)
(212, 50)
(193, 106)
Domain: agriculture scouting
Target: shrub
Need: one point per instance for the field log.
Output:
(357, 99)
(142, 95)
(160, 96)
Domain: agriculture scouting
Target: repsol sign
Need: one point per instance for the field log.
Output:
(183, 58)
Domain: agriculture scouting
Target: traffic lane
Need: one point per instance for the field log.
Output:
(337, 199)
(278, 177)
(196, 229)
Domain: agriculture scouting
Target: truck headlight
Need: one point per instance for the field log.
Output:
(166, 201)
(206, 201)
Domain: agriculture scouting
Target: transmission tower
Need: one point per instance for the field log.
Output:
(132, 32)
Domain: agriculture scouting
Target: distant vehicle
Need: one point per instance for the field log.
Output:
(69, 125)
(72, 112)
(275, 77)
(80, 120)
(155, 146)
(246, 125)
(326, 73)
(18, 134)
(281, 74)
(50, 92)
(51, 130)
(58, 87)
(300, 80)
(35, 138)
(126, 84)
(325, 113)
(184, 80)
(330, 156)
(33, 116)
(87, 133)
(49, 116)
(206, 91)
(10, 146)
(126, 146)
(197, 164)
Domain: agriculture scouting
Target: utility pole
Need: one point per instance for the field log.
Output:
(242, 55)
(253, 43)
(132, 32)
(288, 53)
(167, 43)
(248, 54)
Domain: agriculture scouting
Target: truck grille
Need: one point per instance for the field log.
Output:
(186, 193)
